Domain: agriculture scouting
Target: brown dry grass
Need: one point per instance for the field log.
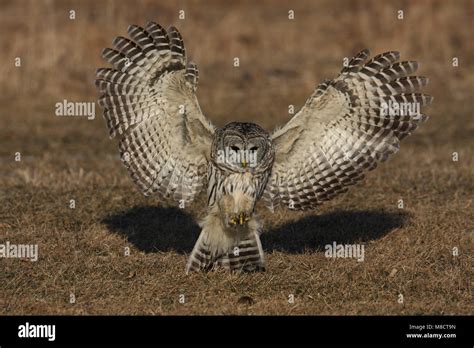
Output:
(408, 251)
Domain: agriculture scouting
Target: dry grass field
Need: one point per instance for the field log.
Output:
(408, 251)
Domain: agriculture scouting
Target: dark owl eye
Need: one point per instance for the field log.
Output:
(235, 148)
(254, 148)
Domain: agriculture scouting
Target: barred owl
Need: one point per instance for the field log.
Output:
(172, 150)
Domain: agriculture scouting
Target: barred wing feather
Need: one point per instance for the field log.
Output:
(150, 104)
(344, 130)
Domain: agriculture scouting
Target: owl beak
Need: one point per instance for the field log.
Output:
(244, 163)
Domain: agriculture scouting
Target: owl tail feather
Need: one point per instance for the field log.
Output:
(246, 256)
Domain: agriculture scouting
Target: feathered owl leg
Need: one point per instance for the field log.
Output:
(236, 249)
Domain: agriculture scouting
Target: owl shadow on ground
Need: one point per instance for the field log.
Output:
(158, 229)
(314, 232)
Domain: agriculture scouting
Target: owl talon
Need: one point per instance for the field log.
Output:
(240, 219)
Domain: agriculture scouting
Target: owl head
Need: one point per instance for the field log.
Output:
(242, 147)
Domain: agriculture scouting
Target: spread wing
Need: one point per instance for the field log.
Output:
(150, 104)
(346, 127)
